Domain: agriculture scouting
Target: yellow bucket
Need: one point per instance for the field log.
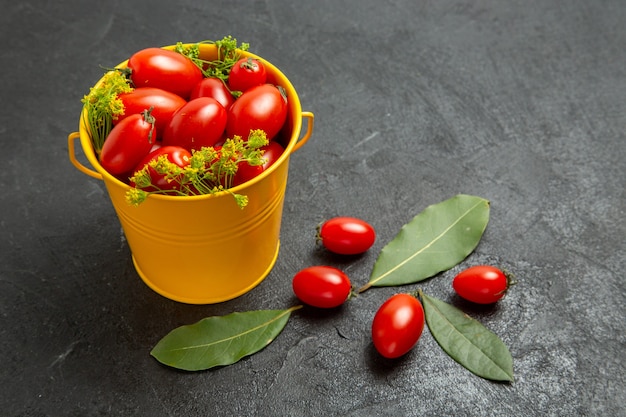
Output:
(205, 249)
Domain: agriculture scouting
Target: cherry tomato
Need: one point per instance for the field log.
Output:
(481, 284)
(261, 107)
(397, 325)
(213, 87)
(245, 74)
(162, 68)
(245, 172)
(346, 235)
(127, 143)
(175, 154)
(271, 152)
(198, 123)
(321, 286)
(164, 105)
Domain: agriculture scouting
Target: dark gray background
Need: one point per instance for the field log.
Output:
(519, 102)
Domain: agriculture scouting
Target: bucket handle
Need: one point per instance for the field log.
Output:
(309, 129)
(72, 154)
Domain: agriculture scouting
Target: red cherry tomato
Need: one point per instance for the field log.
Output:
(127, 143)
(162, 68)
(245, 74)
(245, 172)
(346, 235)
(322, 286)
(481, 284)
(164, 105)
(397, 325)
(198, 123)
(271, 152)
(261, 107)
(215, 88)
(175, 154)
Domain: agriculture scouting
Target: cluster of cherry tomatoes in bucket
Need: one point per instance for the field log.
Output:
(173, 110)
(399, 321)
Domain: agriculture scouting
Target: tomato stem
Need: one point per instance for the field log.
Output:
(248, 64)
(283, 92)
(353, 293)
(510, 279)
(318, 234)
(149, 118)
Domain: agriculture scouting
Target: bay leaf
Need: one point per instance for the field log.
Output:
(467, 341)
(438, 238)
(220, 340)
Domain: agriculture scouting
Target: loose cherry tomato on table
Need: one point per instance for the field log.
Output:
(346, 235)
(162, 68)
(215, 88)
(262, 107)
(127, 143)
(397, 325)
(198, 123)
(175, 154)
(481, 284)
(245, 172)
(245, 74)
(164, 104)
(322, 286)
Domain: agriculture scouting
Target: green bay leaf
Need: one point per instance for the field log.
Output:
(220, 340)
(435, 240)
(467, 341)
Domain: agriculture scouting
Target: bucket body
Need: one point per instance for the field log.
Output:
(205, 249)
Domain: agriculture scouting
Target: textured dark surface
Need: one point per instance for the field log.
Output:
(519, 102)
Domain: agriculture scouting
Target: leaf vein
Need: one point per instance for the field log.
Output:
(233, 337)
(432, 242)
(445, 319)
